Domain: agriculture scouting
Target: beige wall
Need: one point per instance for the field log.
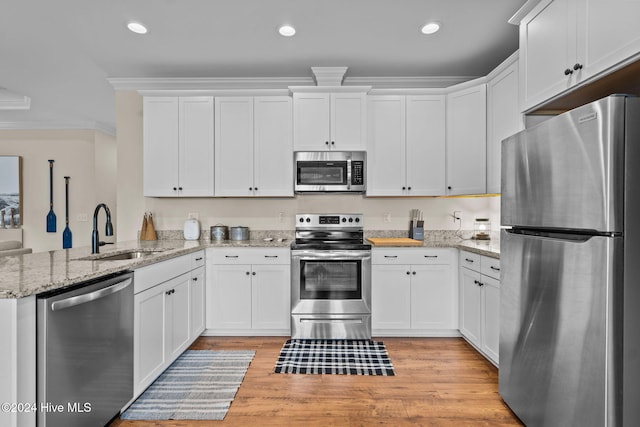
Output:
(88, 157)
(257, 213)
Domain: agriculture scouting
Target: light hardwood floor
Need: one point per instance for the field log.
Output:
(438, 382)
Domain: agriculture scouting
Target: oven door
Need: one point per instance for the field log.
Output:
(331, 281)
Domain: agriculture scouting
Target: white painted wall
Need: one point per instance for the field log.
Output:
(260, 214)
(88, 157)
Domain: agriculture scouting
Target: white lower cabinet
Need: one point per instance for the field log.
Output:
(414, 292)
(166, 313)
(248, 291)
(480, 303)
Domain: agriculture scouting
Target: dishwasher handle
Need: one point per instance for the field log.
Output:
(81, 299)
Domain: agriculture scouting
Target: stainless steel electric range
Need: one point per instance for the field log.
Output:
(330, 278)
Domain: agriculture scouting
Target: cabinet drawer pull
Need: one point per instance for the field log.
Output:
(494, 268)
(431, 256)
(468, 260)
(271, 256)
(199, 259)
(231, 256)
(391, 256)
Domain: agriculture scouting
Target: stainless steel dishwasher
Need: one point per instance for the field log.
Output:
(85, 352)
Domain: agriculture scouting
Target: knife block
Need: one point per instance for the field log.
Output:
(416, 231)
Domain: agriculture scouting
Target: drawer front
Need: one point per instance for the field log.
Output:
(233, 256)
(401, 256)
(470, 260)
(151, 275)
(490, 267)
(197, 259)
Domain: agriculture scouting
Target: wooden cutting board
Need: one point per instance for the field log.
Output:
(394, 241)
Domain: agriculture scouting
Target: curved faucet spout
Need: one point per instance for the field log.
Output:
(95, 237)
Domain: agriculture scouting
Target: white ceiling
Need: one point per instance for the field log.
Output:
(61, 53)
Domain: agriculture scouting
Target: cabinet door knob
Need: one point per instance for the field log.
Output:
(326, 142)
(180, 188)
(404, 188)
(414, 273)
(568, 72)
(449, 188)
(577, 67)
(247, 273)
(253, 274)
(250, 188)
(195, 279)
(409, 188)
(408, 273)
(175, 188)
(333, 142)
(255, 188)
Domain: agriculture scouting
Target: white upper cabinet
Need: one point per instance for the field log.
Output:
(273, 146)
(253, 141)
(503, 117)
(467, 141)
(324, 120)
(178, 146)
(234, 146)
(565, 42)
(406, 145)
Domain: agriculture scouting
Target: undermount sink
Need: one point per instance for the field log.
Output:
(120, 256)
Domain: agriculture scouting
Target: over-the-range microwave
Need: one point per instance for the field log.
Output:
(330, 171)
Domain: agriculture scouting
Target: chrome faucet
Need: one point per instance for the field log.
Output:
(95, 237)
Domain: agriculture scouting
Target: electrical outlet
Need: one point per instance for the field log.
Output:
(456, 216)
(192, 215)
(82, 217)
(386, 217)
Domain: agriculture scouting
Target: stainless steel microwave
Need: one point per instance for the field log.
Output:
(330, 171)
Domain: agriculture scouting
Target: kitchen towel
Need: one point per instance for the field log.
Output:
(347, 357)
(199, 385)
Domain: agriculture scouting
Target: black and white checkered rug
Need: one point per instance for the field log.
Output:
(347, 357)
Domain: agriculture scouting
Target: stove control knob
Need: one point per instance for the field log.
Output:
(350, 219)
(357, 219)
(301, 220)
(344, 219)
(308, 219)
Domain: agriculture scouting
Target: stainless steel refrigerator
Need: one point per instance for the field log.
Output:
(570, 260)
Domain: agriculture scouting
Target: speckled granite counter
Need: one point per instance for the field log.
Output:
(30, 274)
(25, 275)
(448, 239)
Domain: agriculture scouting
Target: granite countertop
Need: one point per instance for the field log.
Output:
(25, 275)
(30, 274)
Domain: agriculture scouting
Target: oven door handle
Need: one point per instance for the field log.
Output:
(330, 255)
(349, 173)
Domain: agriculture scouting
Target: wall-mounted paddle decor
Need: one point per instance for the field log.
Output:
(66, 234)
(51, 216)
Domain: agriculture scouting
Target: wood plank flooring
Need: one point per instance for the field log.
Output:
(438, 382)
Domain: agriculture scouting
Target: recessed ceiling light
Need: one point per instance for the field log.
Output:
(430, 28)
(287, 31)
(137, 28)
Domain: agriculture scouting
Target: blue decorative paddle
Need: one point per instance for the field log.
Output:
(51, 217)
(66, 234)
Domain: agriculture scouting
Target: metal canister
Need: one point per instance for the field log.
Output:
(219, 232)
(239, 233)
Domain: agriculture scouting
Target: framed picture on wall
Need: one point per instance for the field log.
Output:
(11, 190)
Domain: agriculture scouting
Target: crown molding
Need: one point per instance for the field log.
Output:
(13, 101)
(207, 83)
(59, 125)
(408, 82)
(211, 86)
(522, 12)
